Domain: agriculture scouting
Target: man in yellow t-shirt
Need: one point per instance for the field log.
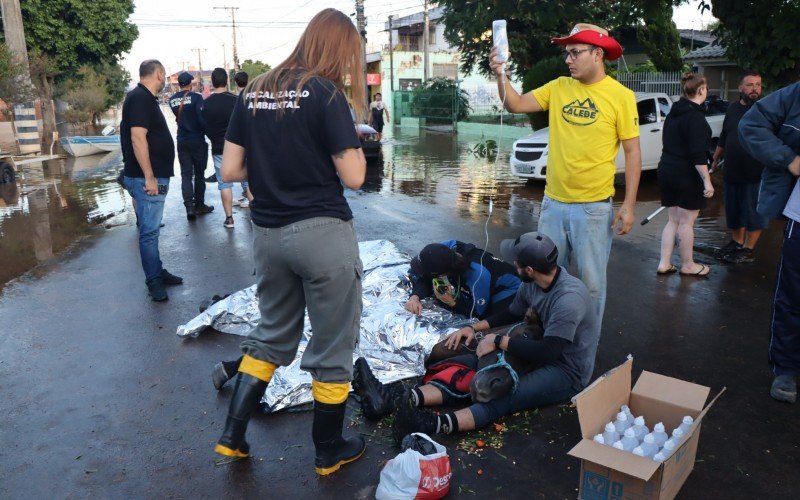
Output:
(591, 115)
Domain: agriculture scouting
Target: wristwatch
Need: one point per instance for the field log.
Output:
(497, 340)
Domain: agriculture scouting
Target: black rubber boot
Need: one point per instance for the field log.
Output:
(246, 395)
(377, 399)
(333, 450)
(191, 214)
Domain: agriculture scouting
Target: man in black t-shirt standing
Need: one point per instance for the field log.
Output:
(192, 148)
(742, 178)
(149, 156)
(217, 110)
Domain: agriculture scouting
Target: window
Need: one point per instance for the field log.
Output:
(663, 107)
(647, 111)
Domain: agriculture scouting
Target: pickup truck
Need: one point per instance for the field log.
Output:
(529, 154)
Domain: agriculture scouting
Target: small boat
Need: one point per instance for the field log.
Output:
(369, 141)
(85, 145)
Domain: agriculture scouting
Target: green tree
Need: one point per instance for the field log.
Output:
(532, 24)
(255, 68)
(86, 94)
(63, 35)
(762, 37)
(12, 73)
(659, 36)
(539, 74)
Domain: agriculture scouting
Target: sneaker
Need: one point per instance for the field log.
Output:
(731, 247)
(228, 222)
(219, 376)
(203, 209)
(409, 419)
(244, 203)
(212, 178)
(784, 388)
(157, 291)
(170, 279)
(741, 256)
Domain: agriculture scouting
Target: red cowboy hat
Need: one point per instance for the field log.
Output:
(592, 35)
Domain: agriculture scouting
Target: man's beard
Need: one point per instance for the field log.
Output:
(524, 277)
(747, 99)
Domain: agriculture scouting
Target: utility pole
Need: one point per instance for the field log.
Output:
(232, 11)
(200, 67)
(362, 29)
(391, 56)
(425, 28)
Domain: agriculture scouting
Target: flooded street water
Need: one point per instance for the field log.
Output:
(54, 204)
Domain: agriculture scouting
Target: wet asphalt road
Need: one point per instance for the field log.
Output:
(102, 399)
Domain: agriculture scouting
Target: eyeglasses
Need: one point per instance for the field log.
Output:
(574, 53)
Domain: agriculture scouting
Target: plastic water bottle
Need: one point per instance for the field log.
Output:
(500, 39)
(660, 434)
(629, 441)
(598, 438)
(639, 428)
(649, 446)
(618, 445)
(669, 448)
(610, 435)
(677, 436)
(627, 411)
(686, 424)
(621, 423)
(659, 457)
(638, 451)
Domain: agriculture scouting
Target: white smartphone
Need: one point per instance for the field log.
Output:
(500, 39)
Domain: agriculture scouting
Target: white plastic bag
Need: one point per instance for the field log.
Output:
(414, 475)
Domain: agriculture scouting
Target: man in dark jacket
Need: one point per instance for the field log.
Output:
(463, 278)
(192, 148)
(742, 176)
(770, 131)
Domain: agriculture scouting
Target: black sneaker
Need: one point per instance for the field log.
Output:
(212, 178)
(228, 222)
(203, 209)
(728, 249)
(157, 291)
(409, 419)
(740, 256)
(170, 279)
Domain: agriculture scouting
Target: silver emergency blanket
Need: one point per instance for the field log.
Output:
(394, 341)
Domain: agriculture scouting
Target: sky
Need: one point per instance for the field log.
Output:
(181, 33)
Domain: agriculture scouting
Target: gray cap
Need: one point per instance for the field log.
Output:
(531, 249)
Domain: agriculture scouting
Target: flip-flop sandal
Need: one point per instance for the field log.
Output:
(671, 270)
(700, 273)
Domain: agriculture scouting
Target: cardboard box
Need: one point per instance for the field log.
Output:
(609, 473)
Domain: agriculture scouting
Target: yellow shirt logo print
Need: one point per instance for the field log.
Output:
(580, 112)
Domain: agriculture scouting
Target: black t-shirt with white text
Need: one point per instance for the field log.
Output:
(141, 109)
(217, 111)
(289, 166)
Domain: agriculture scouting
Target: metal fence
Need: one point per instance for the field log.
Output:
(485, 107)
(435, 110)
(667, 82)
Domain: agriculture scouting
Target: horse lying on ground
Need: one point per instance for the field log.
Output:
(497, 373)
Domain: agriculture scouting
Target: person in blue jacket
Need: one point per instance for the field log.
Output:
(463, 278)
(770, 132)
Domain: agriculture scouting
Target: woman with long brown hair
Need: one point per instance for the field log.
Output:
(683, 175)
(293, 126)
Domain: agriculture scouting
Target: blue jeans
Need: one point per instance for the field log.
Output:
(224, 185)
(582, 233)
(542, 387)
(149, 210)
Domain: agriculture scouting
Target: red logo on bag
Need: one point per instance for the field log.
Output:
(434, 480)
